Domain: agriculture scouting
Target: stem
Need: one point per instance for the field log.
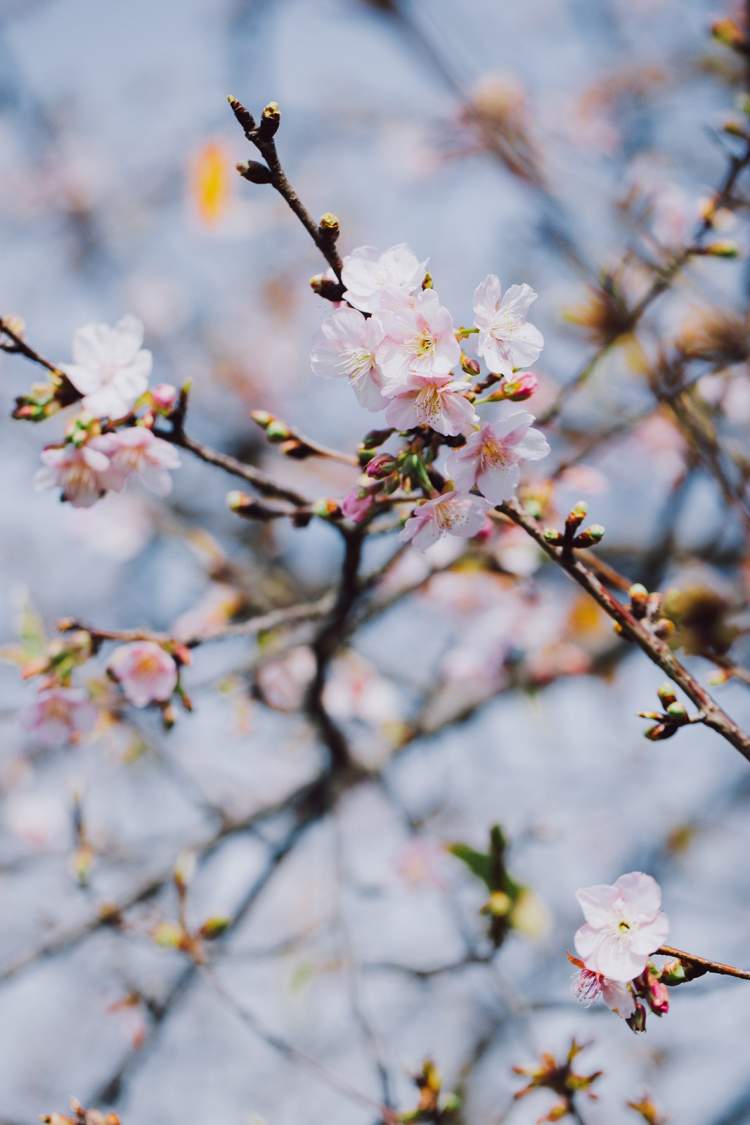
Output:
(717, 967)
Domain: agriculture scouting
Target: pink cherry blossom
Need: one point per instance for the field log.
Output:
(419, 339)
(435, 402)
(451, 513)
(164, 397)
(589, 986)
(79, 471)
(356, 504)
(137, 452)
(624, 925)
(492, 457)
(145, 672)
(506, 339)
(370, 276)
(344, 348)
(110, 367)
(59, 716)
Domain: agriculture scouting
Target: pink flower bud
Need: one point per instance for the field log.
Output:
(382, 465)
(521, 387)
(356, 506)
(164, 398)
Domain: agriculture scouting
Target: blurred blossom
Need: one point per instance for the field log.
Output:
(356, 690)
(79, 471)
(40, 819)
(283, 680)
(136, 452)
(145, 672)
(420, 862)
(59, 716)
(118, 527)
(110, 367)
(213, 612)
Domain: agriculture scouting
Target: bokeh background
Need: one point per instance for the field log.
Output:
(117, 194)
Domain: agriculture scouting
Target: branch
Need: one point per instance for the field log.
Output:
(703, 964)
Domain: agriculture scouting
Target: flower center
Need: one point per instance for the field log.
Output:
(428, 404)
(623, 927)
(358, 364)
(494, 455)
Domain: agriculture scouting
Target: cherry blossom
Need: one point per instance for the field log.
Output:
(373, 278)
(419, 339)
(506, 339)
(492, 457)
(345, 347)
(624, 925)
(437, 402)
(110, 367)
(451, 513)
(590, 986)
(164, 397)
(357, 504)
(145, 672)
(60, 715)
(80, 471)
(137, 452)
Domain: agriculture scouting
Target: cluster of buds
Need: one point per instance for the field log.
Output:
(647, 1110)
(561, 1079)
(179, 934)
(650, 994)
(434, 1106)
(571, 537)
(279, 433)
(647, 607)
(518, 388)
(80, 1116)
(669, 720)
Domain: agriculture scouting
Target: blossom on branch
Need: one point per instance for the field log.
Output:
(452, 513)
(137, 452)
(110, 367)
(434, 401)
(344, 348)
(624, 925)
(590, 986)
(506, 339)
(372, 278)
(79, 471)
(419, 340)
(492, 457)
(59, 716)
(144, 671)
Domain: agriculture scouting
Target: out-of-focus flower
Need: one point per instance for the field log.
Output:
(283, 680)
(110, 367)
(452, 513)
(212, 176)
(506, 339)
(492, 457)
(79, 471)
(589, 986)
(716, 336)
(419, 339)
(624, 925)
(356, 690)
(370, 275)
(145, 672)
(357, 504)
(136, 452)
(215, 609)
(435, 402)
(59, 716)
(344, 348)
(164, 397)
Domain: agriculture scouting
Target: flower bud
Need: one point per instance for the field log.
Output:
(551, 535)
(255, 172)
(522, 387)
(277, 431)
(722, 250)
(375, 438)
(637, 1022)
(164, 398)
(590, 536)
(381, 465)
(326, 287)
(329, 227)
(667, 695)
(261, 418)
(469, 365)
(270, 119)
(638, 600)
(576, 516)
(728, 32)
(244, 117)
(327, 509)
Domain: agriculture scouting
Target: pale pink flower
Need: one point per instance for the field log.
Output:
(344, 348)
(137, 452)
(283, 680)
(356, 504)
(164, 397)
(145, 672)
(451, 513)
(370, 276)
(419, 339)
(59, 716)
(589, 986)
(435, 402)
(110, 367)
(492, 457)
(506, 339)
(624, 925)
(79, 471)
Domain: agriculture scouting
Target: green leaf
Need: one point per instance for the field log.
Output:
(478, 863)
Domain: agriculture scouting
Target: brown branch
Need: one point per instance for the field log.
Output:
(717, 967)
(655, 648)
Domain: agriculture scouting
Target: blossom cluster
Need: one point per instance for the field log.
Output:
(400, 350)
(624, 925)
(107, 445)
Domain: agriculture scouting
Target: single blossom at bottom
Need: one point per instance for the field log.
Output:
(624, 925)
(491, 458)
(452, 513)
(145, 672)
